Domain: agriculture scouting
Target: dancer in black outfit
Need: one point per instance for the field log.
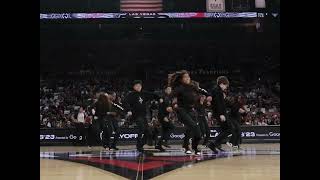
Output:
(219, 113)
(113, 115)
(154, 130)
(154, 126)
(187, 92)
(101, 124)
(236, 110)
(135, 105)
(165, 108)
(205, 131)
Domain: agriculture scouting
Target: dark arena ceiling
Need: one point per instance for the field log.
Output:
(71, 42)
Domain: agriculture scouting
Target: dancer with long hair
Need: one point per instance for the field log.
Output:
(102, 127)
(115, 111)
(187, 94)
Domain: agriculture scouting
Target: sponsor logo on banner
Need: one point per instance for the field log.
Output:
(71, 136)
(54, 137)
(216, 6)
(185, 15)
(274, 134)
(47, 137)
(58, 16)
(177, 136)
(248, 134)
(142, 14)
(262, 135)
(62, 137)
(128, 136)
(65, 136)
(92, 15)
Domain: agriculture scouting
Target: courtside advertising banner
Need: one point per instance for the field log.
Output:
(52, 136)
(216, 6)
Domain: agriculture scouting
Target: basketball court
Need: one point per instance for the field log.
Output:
(256, 161)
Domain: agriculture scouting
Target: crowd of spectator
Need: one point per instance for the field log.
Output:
(61, 100)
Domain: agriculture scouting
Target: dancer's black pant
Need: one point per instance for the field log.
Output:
(152, 135)
(205, 131)
(189, 118)
(87, 133)
(102, 128)
(110, 129)
(107, 133)
(142, 125)
(114, 130)
(226, 130)
(90, 136)
(81, 134)
(236, 133)
(166, 128)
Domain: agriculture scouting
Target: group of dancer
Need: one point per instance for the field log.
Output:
(187, 99)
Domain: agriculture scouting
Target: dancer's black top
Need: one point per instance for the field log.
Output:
(101, 109)
(187, 95)
(201, 109)
(234, 109)
(218, 103)
(115, 110)
(167, 102)
(136, 102)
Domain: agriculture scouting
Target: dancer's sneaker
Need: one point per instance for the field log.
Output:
(213, 148)
(229, 144)
(188, 151)
(197, 152)
(160, 148)
(236, 150)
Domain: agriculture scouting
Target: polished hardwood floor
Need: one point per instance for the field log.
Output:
(256, 162)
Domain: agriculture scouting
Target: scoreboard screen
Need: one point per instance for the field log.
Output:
(114, 9)
(116, 6)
